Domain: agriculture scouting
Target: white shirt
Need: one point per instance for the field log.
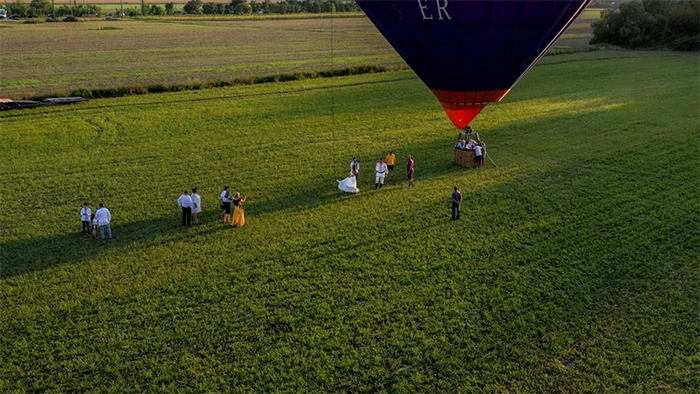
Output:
(477, 150)
(356, 164)
(223, 197)
(381, 168)
(103, 216)
(85, 214)
(185, 201)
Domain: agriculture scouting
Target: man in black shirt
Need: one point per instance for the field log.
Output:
(456, 203)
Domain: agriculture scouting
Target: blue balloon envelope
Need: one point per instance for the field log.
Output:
(471, 52)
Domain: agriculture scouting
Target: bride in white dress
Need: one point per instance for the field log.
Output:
(349, 184)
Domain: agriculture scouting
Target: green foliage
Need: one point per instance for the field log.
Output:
(19, 7)
(650, 24)
(169, 8)
(684, 28)
(155, 9)
(132, 11)
(196, 84)
(79, 10)
(40, 7)
(244, 9)
(574, 268)
(210, 8)
(193, 6)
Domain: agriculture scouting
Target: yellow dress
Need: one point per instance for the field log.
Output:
(238, 216)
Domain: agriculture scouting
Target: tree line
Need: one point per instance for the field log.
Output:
(268, 7)
(650, 24)
(38, 8)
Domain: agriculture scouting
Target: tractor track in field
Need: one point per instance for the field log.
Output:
(204, 99)
(94, 147)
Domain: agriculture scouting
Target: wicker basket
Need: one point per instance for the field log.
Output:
(465, 157)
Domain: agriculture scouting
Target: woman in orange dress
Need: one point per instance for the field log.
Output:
(238, 213)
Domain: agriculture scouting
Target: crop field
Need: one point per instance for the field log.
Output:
(56, 58)
(574, 267)
(579, 33)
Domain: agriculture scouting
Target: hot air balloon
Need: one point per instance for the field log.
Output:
(471, 52)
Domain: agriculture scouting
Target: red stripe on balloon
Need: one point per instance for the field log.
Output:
(462, 107)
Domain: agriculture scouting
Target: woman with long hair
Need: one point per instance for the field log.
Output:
(238, 212)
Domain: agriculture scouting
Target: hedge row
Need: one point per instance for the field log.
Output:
(131, 90)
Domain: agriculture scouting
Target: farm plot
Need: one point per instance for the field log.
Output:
(54, 57)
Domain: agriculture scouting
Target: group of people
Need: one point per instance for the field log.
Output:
(191, 202)
(383, 168)
(191, 205)
(101, 220)
(238, 213)
(465, 142)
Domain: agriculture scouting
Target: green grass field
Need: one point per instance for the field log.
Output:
(573, 269)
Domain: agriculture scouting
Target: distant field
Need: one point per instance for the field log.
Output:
(579, 33)
(62, 56)
(59, 57)
(574, 268)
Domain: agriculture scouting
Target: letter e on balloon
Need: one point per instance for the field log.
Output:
(424, 7)
(441, 8)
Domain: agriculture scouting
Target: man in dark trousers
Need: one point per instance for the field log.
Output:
(456, 203)
(354, 167)
(185, 202)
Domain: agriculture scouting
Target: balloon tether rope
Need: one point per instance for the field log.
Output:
(331, 5)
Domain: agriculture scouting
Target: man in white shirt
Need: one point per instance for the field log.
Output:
(85, 214)
(226, 199)
(185, 202)
(381, 173)
(477, 155)
(104, 218)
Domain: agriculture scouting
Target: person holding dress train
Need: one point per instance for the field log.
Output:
(238, 212)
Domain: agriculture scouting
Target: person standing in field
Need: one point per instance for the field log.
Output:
(104, 220)
(477, 155)
(185, 202)
(238, 213)
(226, 199)
(483, 151)
(381, 173)
(355, 167)
(456, 203)
(94, 226)
(196, 205)
(410, 166)
(85, 214)
(390, 161)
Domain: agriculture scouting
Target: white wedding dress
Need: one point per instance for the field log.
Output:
(348, 185)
